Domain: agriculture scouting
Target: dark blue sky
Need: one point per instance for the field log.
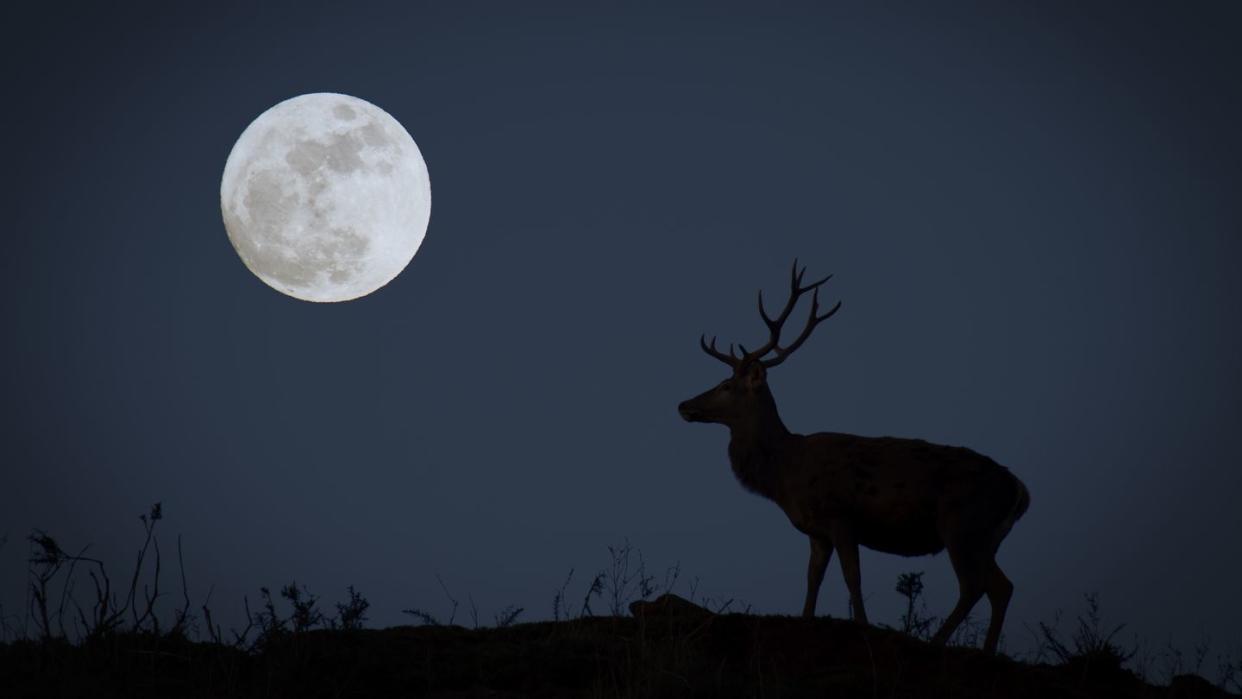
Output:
(1032, 212)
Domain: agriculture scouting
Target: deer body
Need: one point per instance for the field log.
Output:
(902, 496)
(895, 492)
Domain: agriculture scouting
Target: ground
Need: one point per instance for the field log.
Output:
(661, 652)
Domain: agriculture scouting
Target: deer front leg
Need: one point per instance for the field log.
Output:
(821, 552)
(847, 548)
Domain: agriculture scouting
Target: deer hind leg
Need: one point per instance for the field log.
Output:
(821, 551)
(973, 568)
(998, 590)
(847, 551)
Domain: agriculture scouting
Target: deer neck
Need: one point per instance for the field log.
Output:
(759, 448)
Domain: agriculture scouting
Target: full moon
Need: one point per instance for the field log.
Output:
(325, 197)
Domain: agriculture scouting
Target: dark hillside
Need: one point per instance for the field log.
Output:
(696, 655)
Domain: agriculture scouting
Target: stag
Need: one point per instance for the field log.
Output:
(902, 496)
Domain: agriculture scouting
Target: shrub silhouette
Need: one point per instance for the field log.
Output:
(1090, 650)
(915, 620)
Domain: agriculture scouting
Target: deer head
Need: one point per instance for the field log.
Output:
(745, 395)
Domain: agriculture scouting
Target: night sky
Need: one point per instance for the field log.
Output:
(1033, 213)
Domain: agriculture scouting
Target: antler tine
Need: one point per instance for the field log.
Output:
(711, 350)
(796, 281)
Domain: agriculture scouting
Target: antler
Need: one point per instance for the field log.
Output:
(796, 290)
(711, 350)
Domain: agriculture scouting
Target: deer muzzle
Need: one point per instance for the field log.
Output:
(689, 412)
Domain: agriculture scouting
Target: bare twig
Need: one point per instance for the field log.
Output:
(422, 616)
(149, 525)
(507, 616)
(66, 590)
(212, 629)
(183, 614)
(151, 595)
(453, 613)
(596, 589)
(239, 639)
(558, 600)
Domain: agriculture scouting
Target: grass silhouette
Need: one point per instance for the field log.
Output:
(642, 641)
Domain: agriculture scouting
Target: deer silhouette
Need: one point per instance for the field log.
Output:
(902, 496)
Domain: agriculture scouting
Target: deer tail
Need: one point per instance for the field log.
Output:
(1021, 501)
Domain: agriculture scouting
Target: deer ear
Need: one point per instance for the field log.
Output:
(755, 375)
